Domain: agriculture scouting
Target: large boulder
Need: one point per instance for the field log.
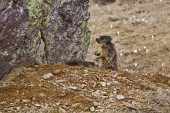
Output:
(45, 31)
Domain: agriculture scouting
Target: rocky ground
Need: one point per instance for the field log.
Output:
(140, 33)
(65, 89)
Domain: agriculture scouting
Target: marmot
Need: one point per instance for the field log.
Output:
(76, 62)
(106, 53)
(73, 61)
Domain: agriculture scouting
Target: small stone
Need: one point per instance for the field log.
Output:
(37, 105)
(57, 104)
(36, 66)
(56, 72)
(73, 87)
(33, 107)
(92, 109)
(135, 51)
(104, 93)
(25, 100)
(83, 86)
(115, 82)
(114, 92)
(42, 95)
(130, 106)
(17, 100)
(66, 104)
(95, 104)
(104, 97)
(120, 97)
(47, 76)
(104, 84)
(18, 108)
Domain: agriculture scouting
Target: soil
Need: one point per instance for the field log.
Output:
(79, 89)
(143, 88)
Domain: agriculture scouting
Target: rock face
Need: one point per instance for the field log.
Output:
(46, 31)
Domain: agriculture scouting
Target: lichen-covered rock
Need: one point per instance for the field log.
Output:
(103, 2)
(46, 31)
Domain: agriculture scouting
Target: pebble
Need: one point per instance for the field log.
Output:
(95, 104)
(18, 108)
(120, 97)
(42, 95)
(66, 104)
(104, 93)
(47, 76)
(92, 109)
(130, 106)
(56, 72)
(73, 87)
(115, 82)
(135, 51)
(37, 105)
(114, 92)
(104, 97)
(83, 86)
(25, 100)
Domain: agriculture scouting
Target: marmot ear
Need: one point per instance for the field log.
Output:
(98, 40)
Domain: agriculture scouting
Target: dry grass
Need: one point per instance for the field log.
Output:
(141, 26)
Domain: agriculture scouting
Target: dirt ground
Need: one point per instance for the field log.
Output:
(80, 89)
(140, 33)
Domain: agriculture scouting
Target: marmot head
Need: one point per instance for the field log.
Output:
(104, 39)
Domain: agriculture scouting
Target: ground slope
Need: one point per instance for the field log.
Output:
(81, 89)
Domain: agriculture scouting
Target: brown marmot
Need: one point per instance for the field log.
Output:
(76, 62)
(106, 53)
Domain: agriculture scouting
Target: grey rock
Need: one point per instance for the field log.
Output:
(47, 76)
(95, 104)
(131, 106)
(24, 40)
(83, 86)
(37, 105)
(120, 97)
(92, 109)
(114, 92)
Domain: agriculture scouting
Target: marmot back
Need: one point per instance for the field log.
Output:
(76, 62)
(106, 53)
